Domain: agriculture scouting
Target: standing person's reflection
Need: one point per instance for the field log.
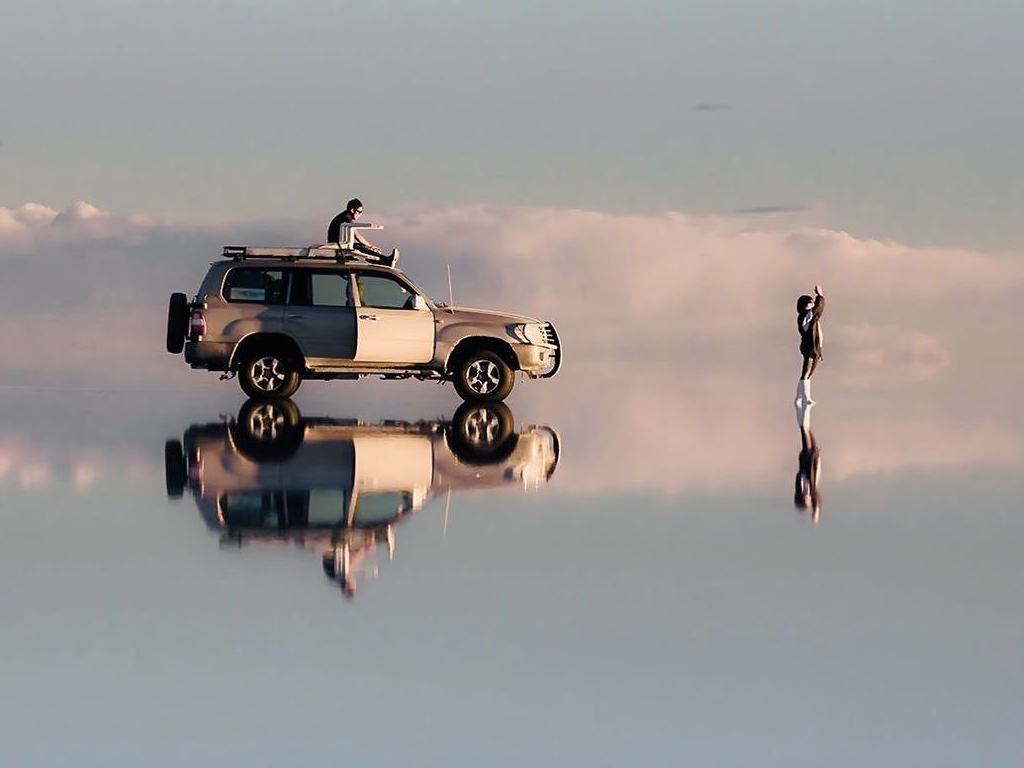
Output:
(806, 496)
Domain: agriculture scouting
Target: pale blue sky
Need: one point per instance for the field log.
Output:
(889, 119)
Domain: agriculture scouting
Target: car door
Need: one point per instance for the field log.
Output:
(390, 463)
(389, 327)
(321, 315)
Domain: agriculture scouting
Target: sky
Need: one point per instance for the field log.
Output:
(661, 180)
(887, 120)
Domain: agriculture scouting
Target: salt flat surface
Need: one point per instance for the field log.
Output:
(660, 599)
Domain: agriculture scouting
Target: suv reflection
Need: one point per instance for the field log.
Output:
(341, 487)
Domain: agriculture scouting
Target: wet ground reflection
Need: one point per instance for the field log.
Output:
(806, 491)
(341, 487)
(653, 599)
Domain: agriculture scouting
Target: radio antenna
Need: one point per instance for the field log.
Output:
(451, 296)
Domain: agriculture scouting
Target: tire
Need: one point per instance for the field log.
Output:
(177, 322)
(175, 472)
(269, 375)
(482, 433)
(268, 430)
(481, 376)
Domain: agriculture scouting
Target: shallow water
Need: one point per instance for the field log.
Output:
(633, 585)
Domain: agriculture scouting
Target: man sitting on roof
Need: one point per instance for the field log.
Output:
(352, 212)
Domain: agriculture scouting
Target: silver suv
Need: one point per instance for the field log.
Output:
(276, 316)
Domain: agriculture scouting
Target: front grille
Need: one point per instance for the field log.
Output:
(551, 337)
(548, 332)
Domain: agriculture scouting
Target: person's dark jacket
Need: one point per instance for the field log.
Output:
(334, 228)
(811, 339)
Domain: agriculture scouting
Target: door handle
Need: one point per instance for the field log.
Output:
(367, 317)
(294, 317)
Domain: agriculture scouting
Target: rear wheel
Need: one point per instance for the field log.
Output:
(268, 430)
(483, 377)
(269, 375)
(177, 322)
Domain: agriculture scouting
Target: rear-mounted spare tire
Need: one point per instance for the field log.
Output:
(175, 471)
(177, 322)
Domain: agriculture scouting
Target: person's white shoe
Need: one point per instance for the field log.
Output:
(807, 391)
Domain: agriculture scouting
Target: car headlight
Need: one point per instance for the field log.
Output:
(527, 333)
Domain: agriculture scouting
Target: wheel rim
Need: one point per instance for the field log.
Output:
(483, 376)
(265, 422)
(267, 374)
(482, 427)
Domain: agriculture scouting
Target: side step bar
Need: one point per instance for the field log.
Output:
(341, 371)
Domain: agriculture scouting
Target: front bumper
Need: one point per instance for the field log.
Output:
(212, 355)
(541, 361)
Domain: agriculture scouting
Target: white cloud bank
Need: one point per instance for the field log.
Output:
(680, 330)
(654, 289)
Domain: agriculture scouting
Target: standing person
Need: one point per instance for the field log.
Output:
(353, 210)
(809, 310)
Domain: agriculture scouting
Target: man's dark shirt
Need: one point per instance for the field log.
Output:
(334, 228)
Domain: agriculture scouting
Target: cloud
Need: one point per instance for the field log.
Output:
(878, 356)
(711, 106)
(662, 286)
(32, 227)
(669, 289)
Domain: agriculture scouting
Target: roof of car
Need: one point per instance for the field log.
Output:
(309, 263)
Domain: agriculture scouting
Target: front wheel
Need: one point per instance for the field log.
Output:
(483, 377)
(482, 433)
(268, 376)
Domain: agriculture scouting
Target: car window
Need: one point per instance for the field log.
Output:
(321, 289)
(251, 509)
(330, 289)
(255, 285)
(383, 292)
(380, 507)
(326, 507)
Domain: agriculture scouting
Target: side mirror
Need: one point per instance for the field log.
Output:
(418, 302)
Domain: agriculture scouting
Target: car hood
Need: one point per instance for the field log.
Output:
(485, 316)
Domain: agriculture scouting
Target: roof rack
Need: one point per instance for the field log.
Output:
(327, 252)
(343, 250)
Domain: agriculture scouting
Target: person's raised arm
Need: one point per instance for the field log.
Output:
(819, 302)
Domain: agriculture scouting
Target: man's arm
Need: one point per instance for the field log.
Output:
(363, 240)
(819, 302)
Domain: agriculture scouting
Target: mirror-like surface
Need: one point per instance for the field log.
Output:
(645, 573)
(341, 487)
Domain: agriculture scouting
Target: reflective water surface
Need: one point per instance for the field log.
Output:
(639, 575)
(342, 487)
